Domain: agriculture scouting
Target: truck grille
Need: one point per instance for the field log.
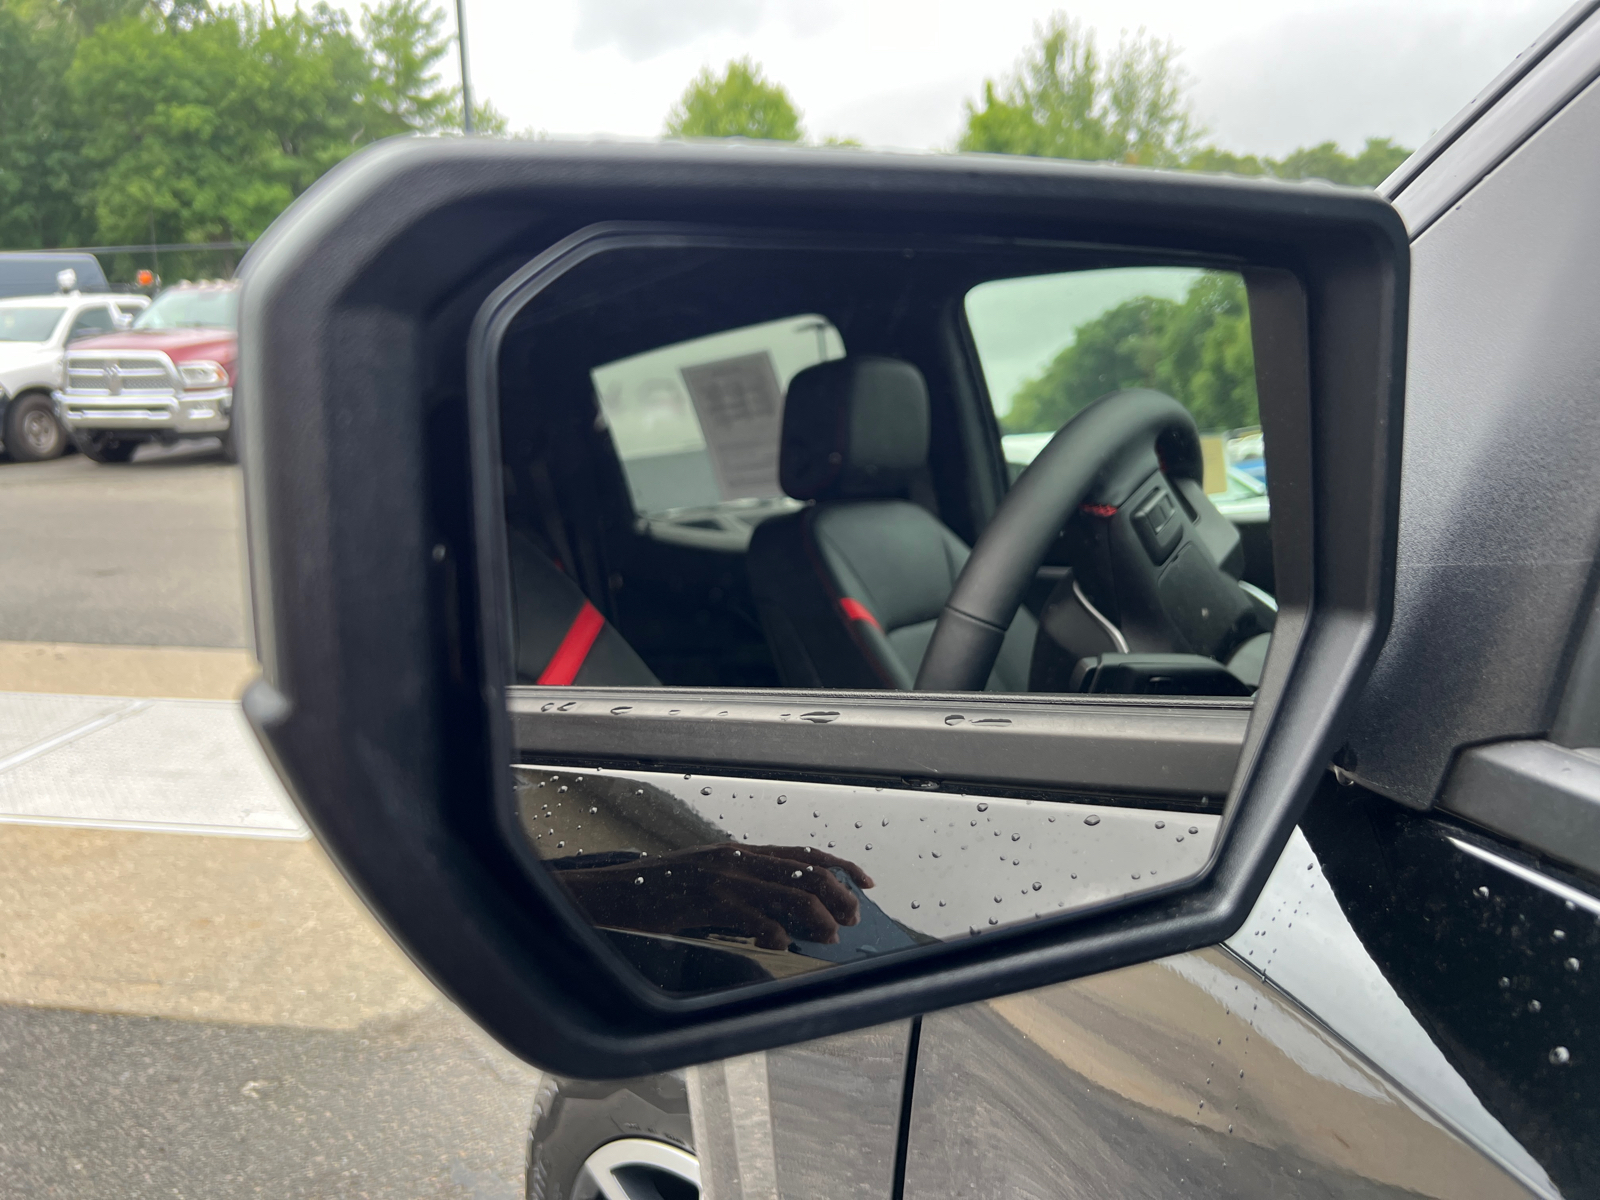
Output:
(118, 374)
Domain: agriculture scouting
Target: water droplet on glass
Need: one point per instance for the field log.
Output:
(816, 814)
(1074, 874)
(974, 820)
(1194, 829)
(620, 709)
(954, 719)
(936, 854)
(1037, 886)
(1180, 837)
(885, 824)
(983, 808)
(1136, 874)
(1560, 1056)
(638, 791)
(1052, 820)
(562, 788)
(785, 800)
(1482, 893)
(1534, 1006)
(1202, 1104)
(593, 810)
(639, 880)
(1016, 837)
(1091, 819)
(1161, 824)
(1573, 965)
(1559, 935)
(994, 920)
(941, 904)
(819, 717)
(1505, 982)
(869, 845)
(561, 845)
(797, 875)
(1230, 1128)
(1241, 1074)
(738, 853)
(831, 845)
(997, 899)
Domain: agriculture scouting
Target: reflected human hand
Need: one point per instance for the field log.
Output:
(773, 894)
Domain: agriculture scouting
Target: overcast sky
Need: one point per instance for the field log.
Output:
(1267, 75)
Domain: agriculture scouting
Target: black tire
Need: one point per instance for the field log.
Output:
(572, 1119)
(32, 432)
(107, 448)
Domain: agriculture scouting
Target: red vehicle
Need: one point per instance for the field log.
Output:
(167, 379)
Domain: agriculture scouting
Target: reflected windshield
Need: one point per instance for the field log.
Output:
(28, 324)
(192, 308)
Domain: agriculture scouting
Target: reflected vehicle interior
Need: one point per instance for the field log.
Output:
(764, 468)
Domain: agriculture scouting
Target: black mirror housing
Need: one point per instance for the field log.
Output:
(375, 581)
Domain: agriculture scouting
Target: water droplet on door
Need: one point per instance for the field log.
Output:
(1560, 1056)
(1016, 837)
(983, 808)
(1091, 819)
(639, 880)
(1534, 1006)
(785, 800)
(1037, 886)
(1482, 893)
(1194, 829)
(703, 791)
(1573, 965)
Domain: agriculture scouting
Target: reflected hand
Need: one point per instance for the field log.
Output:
(773, 894)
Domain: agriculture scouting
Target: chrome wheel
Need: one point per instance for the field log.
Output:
(32, 433)
(638, 1169)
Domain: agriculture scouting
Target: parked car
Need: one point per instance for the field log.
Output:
(167, 379)
(1376, 975)
(38, 272)
(34, 333)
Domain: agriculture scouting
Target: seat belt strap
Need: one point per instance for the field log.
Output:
(568, 659)
(854, 610)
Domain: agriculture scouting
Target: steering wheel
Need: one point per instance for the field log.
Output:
(1114, 452)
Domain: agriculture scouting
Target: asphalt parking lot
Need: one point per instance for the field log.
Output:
(192, 1003)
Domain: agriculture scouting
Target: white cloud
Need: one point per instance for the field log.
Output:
(1359, 72)
(642, 29)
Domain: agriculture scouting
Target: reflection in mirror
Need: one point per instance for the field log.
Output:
(765, 466)
(706, 882)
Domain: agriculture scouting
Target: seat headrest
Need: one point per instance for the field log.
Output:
(855, 426)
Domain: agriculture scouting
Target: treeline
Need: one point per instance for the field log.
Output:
(1067, 99)
(135, 121)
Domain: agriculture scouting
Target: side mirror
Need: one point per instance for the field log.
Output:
(609, 516)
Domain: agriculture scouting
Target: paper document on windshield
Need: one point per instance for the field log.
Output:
(740, 407)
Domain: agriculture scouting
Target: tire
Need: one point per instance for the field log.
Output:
(107, 448)
(594, 1141)
(32, 432)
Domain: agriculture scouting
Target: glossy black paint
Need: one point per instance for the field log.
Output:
(1502, 968)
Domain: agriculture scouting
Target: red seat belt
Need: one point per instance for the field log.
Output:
(567, 661)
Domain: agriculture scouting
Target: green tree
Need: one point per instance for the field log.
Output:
(203, 124)
(1197, 350)
(1377, 160)
(741, 102)
(1065, 100)
(41, 171)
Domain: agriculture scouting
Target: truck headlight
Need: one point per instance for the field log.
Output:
(202, 374)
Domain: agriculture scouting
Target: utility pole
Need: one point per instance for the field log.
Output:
(466, 79)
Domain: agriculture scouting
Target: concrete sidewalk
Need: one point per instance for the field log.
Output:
(114, 762)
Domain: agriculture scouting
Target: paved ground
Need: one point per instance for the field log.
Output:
(148, 553)
(192, 1003)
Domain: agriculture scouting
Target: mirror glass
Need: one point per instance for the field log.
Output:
(735, 474)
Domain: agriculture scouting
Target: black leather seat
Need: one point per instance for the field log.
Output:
(560, 637)
(850, 588)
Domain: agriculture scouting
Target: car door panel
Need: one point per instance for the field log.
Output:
(817, 1119)
(1197, 1075)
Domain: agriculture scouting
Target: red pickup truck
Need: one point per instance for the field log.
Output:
(169, 378)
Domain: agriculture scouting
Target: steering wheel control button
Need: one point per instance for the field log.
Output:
(1156, 519)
